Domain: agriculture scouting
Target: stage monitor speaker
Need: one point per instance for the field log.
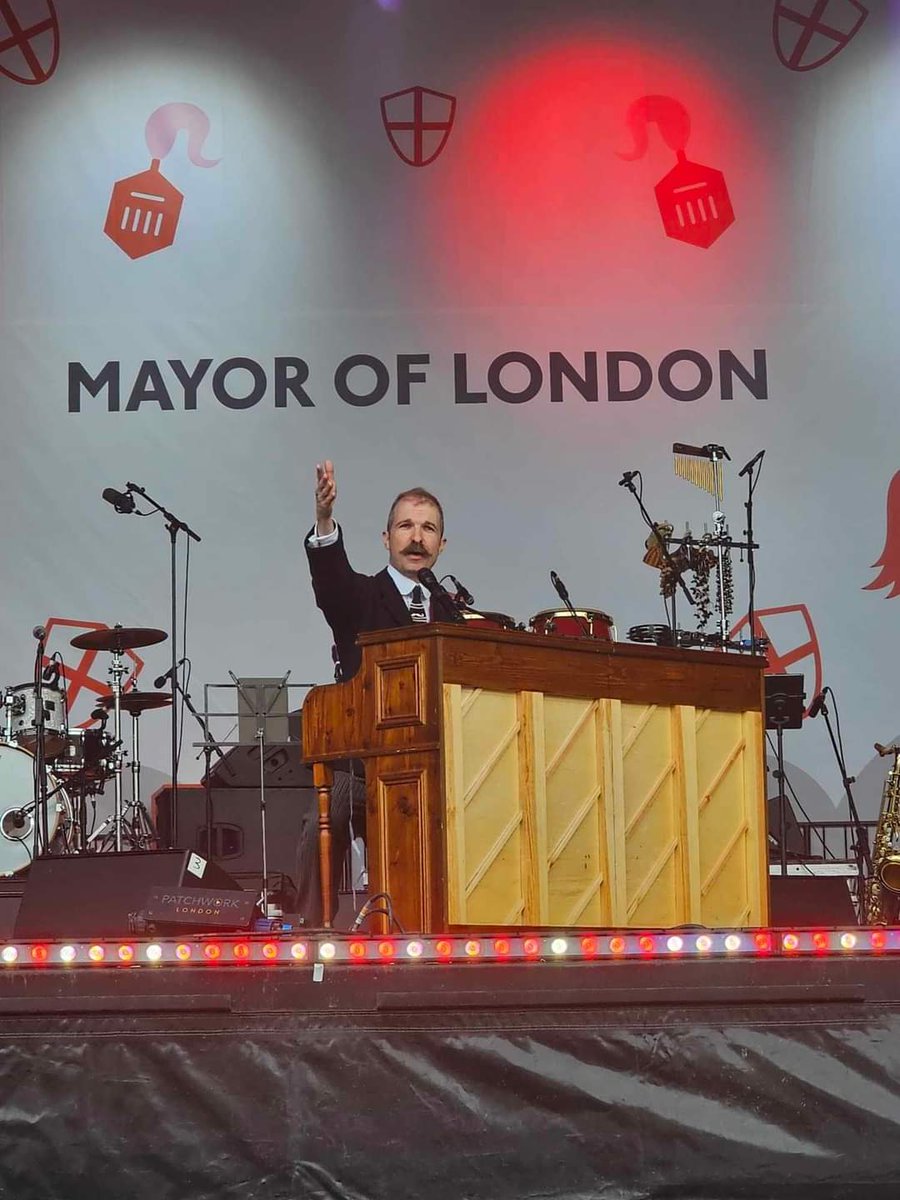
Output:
(103, 895)
(810, 900)
(236, 843)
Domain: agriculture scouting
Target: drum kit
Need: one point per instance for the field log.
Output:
(78, 762)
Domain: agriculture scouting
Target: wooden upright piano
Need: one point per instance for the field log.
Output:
(514, 779)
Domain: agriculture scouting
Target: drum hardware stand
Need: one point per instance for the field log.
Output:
(861, 847)
(627, 481)
(174, 526)
(41, 824)
(784, 710)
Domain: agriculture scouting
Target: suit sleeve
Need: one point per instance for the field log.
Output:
(337, 587)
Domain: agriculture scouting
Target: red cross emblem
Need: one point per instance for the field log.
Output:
(82, 686)
(809, 33)
(794, 639)
(418, 122)
(29, 49)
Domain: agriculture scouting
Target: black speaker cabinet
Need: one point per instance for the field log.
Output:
(236, 842)
(103, 895)
(810, 900)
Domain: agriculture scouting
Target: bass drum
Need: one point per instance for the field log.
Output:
(17, 808)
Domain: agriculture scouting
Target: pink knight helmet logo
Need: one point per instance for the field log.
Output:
(889, 562)
(809, 33)
(693, 199)
(418, 122)
(29, 40)
(144, 209)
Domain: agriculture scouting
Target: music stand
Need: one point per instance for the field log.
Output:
(785, 704)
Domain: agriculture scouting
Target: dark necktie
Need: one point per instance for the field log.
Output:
(417, 605)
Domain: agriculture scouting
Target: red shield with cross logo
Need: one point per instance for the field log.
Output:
(84, 676)
(29, 40)
(418, 122)
(793, 642)
(809, 33)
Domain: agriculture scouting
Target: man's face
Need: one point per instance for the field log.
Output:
(415, 538)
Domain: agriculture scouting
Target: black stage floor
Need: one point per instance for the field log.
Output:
(713, 1077)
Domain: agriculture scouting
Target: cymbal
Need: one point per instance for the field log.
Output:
(137, 702)
(118, 638)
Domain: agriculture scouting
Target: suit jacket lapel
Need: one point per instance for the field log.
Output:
(392, 600)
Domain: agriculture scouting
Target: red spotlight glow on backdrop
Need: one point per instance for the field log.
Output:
(538, 204)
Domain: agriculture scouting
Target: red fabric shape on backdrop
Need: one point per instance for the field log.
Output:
(889, 562)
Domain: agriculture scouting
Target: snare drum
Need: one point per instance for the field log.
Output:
(21, 714)
(489, 620)
(86, 758)
(17, 808)
(585, 622)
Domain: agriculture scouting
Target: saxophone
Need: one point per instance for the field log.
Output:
(883, 885)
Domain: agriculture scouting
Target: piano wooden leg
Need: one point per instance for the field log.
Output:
(323, 777)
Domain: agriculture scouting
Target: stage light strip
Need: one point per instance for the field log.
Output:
(546, 948)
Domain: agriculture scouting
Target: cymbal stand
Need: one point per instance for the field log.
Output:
(117, 671)
(142, 833)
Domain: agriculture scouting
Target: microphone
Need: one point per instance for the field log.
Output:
(462, 593)
(816, 707)
(429, 580)
(163, 679)
(751, 464)
(560, 589)
(51, 673)
(627, 478)
(39, 632)
(122, 502)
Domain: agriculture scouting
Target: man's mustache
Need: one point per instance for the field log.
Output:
(414, 548)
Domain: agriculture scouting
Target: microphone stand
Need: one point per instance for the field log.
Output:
(748, 534)
(209, 744)
(174, 526)
(863, 853)
(628, 482)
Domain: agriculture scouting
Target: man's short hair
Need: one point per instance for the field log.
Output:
(421, 496)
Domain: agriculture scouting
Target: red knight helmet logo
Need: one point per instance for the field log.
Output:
(889, 562)
(144, 209)
(792, 638)
(693, 199)
(418, 122)
(809, 33)
(29, 40)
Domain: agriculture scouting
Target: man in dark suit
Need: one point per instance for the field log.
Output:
(353, 603)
